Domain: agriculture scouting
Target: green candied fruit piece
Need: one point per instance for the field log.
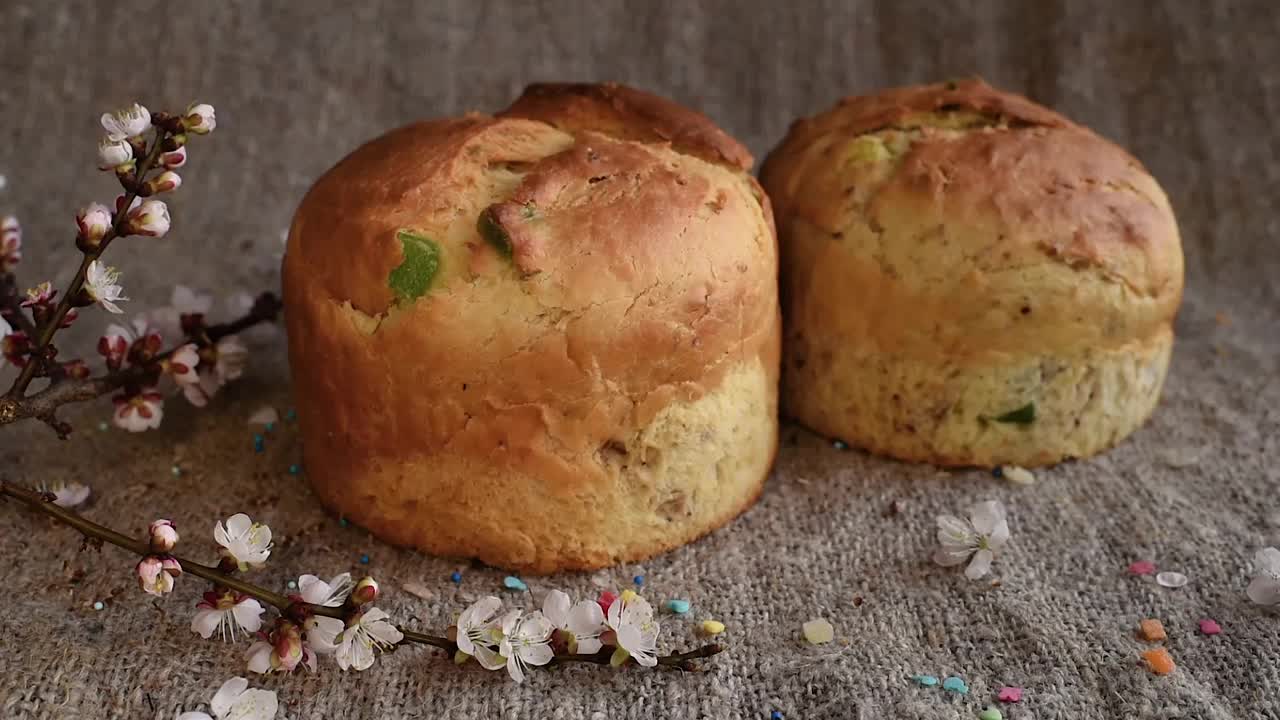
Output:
(868, 149)
(493, 233)
(412, 277)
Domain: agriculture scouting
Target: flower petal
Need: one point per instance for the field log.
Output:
(247, 612)
(489, 659)
(987, 517)
(205, 622)
(323, 633)
(360, 653)
(514, 669)
(1264, 590)
(556, 608)
(950, 557)
(384, 632)
(539, 654)
(586, 618)
(255, 705)
(952, 531)
(194, 716)
(980, 565)
(259, 657)
(226, 696)
(1267, 560)
(589, 646)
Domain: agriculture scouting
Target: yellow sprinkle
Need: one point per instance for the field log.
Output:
(628, 595)
(712, 627)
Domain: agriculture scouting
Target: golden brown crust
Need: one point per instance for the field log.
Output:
(639, 279)
(629, 114)
(975, 237)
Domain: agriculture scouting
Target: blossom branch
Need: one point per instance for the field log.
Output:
(290, 607)
(44, 404)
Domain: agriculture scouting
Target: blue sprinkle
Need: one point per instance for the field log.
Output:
(291, 415)
(98, 605)
(997, 471)
(955, 685)
(514, 583)
(925, 680)
(259, 443)
(839, 445)
(639, 579)
(292, 585)
(456, 577)
(678, 607)
(342, 522)
(775, 715)
(295, 469)
(269, 426)
(177, 471)
(102, 426)
(364, 559)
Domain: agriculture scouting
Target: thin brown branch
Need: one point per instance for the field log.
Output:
(43, 405)
(288, 607)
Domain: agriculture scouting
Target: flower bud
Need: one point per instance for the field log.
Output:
(164, 182)
(76, 369)
(366, 591)
(286, 646)
(163, 536)
(174, 159)
(150, 218)
(94, 220)
(126, 123)
(156, 574)
(113, 153)
(200, 119)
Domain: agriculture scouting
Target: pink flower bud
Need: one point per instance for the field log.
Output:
(606, 599)
(174, 159)
(200, 119)
(163, 536)
(366, 591)
(156, 574)
(94, 220)
(10, 243)
(150, 218)
(113, 153)
(164, 182)
(286, 646)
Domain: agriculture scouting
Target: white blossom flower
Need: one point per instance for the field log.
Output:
(126, 123)
(235, 701)
(139, 412)
(526, 640)
(100, 283)
(10, 243)
(230, 358)
(355, 643)
(200, 119)
(156, 574)
(182, 364)
(162, 535)
(631, 619)
(183, 301)
(245, 541)
(40, 295)
(174, 159)
(579, 627)
(94, 220)
(283, 650)
(329, 594)
(227, 614)
(479, 634)
(69, 495)
(150, 218)
(1264, 589)
(980, 537)
(113, 153)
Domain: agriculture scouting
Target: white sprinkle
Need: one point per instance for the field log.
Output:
(818, 631)
(1018, 475)
(1171, 579)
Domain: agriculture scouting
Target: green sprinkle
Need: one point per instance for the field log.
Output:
(678, 607)
(98, 605)
(1024, 415)
(925, 680)
(990, 714)
(493, 233)
(412, 278)
(511, 582)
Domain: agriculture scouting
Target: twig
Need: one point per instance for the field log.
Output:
(44, 404)
(287, 606)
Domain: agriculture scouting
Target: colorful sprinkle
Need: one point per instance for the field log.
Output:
(997, 471)
(292, 585)
(1171, 579)
(678, 607)
(925, 680)
(1159, 660)
(818, 631)
(343, 522)
(606, 600)
(991, 714)
(839, 445)
(364, 559)
(1010, 694)
(177, 471)
(511, 582)
(259, 443)
(295, 469)
(775, 715)
(99, 605)
(1142, 567)
(1210, 627)
(712, 627)
(291, 415)
(1152, 630)
(1019, 475)
(638, 580)
(955, 685)
(456, 577)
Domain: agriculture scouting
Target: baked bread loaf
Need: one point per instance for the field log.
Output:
(970, 278)
(547, 339)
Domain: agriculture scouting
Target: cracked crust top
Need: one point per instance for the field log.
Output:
(602, 253)
(958, 200)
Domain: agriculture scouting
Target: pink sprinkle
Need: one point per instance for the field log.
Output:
(1210, 627)
(1142, 567)
(1010, 694)
(606, 599)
